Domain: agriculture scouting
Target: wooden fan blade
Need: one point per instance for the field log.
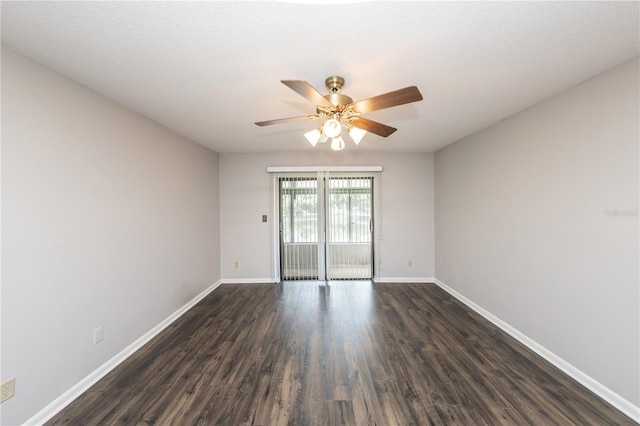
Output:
(307, 91)
(372, 126)
(284, 120)
(388, 100)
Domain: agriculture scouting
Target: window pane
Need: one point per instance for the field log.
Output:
(360, 216)
(305, 217)
(286, 217)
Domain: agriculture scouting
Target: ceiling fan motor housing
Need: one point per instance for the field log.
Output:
(338, 99)
(334, 84)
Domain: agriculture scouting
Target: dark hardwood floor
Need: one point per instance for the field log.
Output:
(342, 353)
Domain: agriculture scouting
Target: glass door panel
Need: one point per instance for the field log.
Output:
(299, 228)
(349, 228)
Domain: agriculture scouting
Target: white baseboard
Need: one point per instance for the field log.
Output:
(419, 280)
(249, 281)
(587, 381)
(78, 389)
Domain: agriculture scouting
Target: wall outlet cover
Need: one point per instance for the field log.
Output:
(8, 389)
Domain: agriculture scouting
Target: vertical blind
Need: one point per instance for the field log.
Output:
(329, 218)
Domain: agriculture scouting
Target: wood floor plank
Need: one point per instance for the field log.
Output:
(339, 413)
(335, 353)
(364, 399)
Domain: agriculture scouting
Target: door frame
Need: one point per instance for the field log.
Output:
(327, 225)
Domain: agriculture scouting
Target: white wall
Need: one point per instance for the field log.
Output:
(524, 226)
(108, 220)
(406, 210)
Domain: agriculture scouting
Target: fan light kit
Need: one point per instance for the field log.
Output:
(340, 111)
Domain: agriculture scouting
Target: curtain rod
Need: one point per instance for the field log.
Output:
(294, 169)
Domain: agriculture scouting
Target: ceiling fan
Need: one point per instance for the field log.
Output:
(340, 111)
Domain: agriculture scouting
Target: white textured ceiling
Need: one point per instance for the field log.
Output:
(209, 70)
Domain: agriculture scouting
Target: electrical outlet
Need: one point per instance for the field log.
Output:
(8, 389)
(410, 263)
(97, 335)
(236, 264)
(264, 217)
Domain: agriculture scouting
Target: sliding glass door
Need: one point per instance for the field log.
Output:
(326, 227)
(349, 215)
(299, 228)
